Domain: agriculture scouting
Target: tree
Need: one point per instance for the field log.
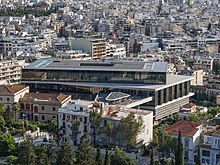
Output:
(108, 132)
(7, 145)
(26, 153)
(52, 126)
(11, 159)
(95, 118)
(179, 151)
(152, 157)
(65, 155)
(98, 158)
(2, 122)
(42, 156)
(198, 161)
(8, 115)
(119, 158)
(74, 127)
(2, 109)
(166, 144)
(84, 153)
(107, 158)
(15, 107)
(129, 128)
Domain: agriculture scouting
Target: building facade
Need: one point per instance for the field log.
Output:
(78, 111)
(148, 84)
(10, 71)
(41, 106)
(209, 149)
(12, 93)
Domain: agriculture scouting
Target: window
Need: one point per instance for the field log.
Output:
(81, 109)
(186, 155)
(8, 99)
(27, 106)
(43, 117)
(85, 128)
(54, 117)
(203, 160)
(0, 98)
(85, 120)
(42, 108)
(54, 109)
(205, 153)
(186, 143)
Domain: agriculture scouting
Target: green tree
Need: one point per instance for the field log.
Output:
(26, 153)
(7, 145)
(65, 155)
(8, 115)
(42, 156)
(129, 128)
(15, 107)
(2, 109)
(98, 158)
(11, 160)
(152, 157)
(74, 127)
(52, 126)
(108, 132)
(212, 112)
(107, 158)
(95, 118)
(119, 158)
(2, 122)
(84, 153)
(166, 144)
(198, 161)
(179, 151)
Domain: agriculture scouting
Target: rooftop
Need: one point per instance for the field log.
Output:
(186, 128)
(29, 97)
(99, 65)
(11, 89)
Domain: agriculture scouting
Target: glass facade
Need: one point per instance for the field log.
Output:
(96, 76)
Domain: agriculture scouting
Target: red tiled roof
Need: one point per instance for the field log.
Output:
(11, 89)
(186, 128)
(189, 105)
(28, 97)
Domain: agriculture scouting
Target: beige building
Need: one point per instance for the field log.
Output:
(12, 93)
(96, 47)
(42, 106)
(79, 110)
(10, 71)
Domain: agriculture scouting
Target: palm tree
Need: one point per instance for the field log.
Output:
(15, 108)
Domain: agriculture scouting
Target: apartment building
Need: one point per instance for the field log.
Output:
(42, 106)
(10, 71)
(12, 93)
(190, 132)
(209, 148)
(96, 47)
(79, 110)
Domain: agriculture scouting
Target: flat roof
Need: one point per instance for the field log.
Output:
(140, 66)
(171, 81)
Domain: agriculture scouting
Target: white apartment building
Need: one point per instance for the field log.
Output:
(209, 149)
(190, 132)
(10, 71)
(205, 63)
(79, 111)
(115, 50)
